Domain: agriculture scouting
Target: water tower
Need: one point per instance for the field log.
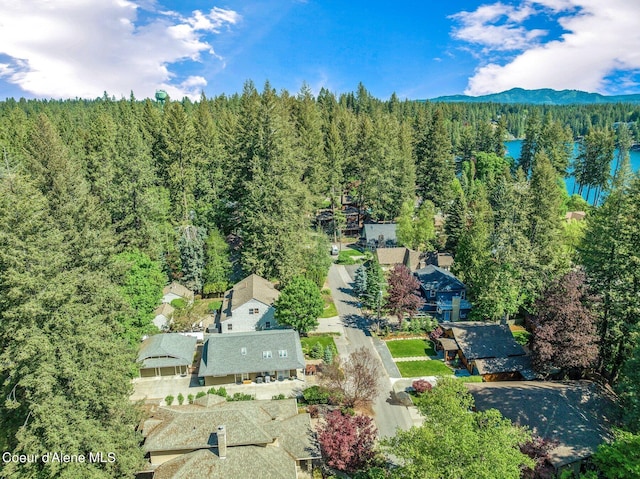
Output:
(161, 97)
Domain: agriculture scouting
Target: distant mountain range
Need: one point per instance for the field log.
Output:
(545, 96)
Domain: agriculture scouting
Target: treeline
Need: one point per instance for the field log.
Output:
(105, 201)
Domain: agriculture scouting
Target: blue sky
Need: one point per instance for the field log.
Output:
(81, 48)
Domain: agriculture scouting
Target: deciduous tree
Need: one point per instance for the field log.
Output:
(402, 293)
(141, 284)
(564, 328)
(347, 442)
(356, 380)
(217, 269)
(299, 305)
(451, 440)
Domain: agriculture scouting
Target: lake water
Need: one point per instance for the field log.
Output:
(514, 147)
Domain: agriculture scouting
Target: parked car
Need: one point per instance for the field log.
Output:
(334, 250)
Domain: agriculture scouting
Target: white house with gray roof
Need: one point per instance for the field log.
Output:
(248, 306)
(258, 356)
(166, 354)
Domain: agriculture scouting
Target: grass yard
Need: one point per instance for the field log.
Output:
(353, 256)
(470, 379)
(411, 369)
(407, 348)
(329, 306)
(309, 341)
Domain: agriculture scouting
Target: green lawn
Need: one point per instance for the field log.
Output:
(329, 307)
(521, 337)
(324, 339)
(407, 348)
(470, 379)
(411, 369)
(352, 256)
(329, 310)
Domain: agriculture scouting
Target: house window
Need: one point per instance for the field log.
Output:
(266, 354)
(282, 353)
(229, 327)
(432, 293)
(254, 311)
(267, 325)
(462, 295)
(243, 351)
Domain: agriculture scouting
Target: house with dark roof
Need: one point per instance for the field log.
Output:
(219, 439)
(486, 349)
(166, 354)
(248, 306)
(379, 235)
(576, 415)
(177, 291)
(389, 257)
(444, 294)
(259, 356)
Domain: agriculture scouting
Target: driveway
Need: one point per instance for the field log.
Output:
(388, 416)
(156, 389)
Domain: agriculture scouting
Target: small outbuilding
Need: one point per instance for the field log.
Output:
(166, 354)
(177, 291)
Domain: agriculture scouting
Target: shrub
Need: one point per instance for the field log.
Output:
(436, 333)
(218, 392)
(190, 398)
(315, 395)
(179, 303)
(240, 397)
(316, 351)
(200, 394)
(180, 398)
(420, 386)
(169, 400)
(328, 354)
(279, 397)
(313, 411)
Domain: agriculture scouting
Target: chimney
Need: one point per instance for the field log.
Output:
(222, 442)
(455, 308)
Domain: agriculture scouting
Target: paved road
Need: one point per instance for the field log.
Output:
(388, 416)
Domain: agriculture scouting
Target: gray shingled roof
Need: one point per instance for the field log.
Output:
(479, 340)
(167, 350)
(179, 290)
(222, 354)
(577, 414)
(249, 461)
(433, 278)
(521, 364)
(374, 231)
(251, 287)
(250, 425)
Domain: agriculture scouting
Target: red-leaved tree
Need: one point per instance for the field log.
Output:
(564, 329)
(403, 296)
(347, 442)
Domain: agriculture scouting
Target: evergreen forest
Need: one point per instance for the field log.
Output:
(103, 202)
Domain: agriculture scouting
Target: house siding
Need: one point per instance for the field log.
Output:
(242, 321)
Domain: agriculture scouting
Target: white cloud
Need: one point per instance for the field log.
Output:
(497, 27)
(601, 38)
(81, 48)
